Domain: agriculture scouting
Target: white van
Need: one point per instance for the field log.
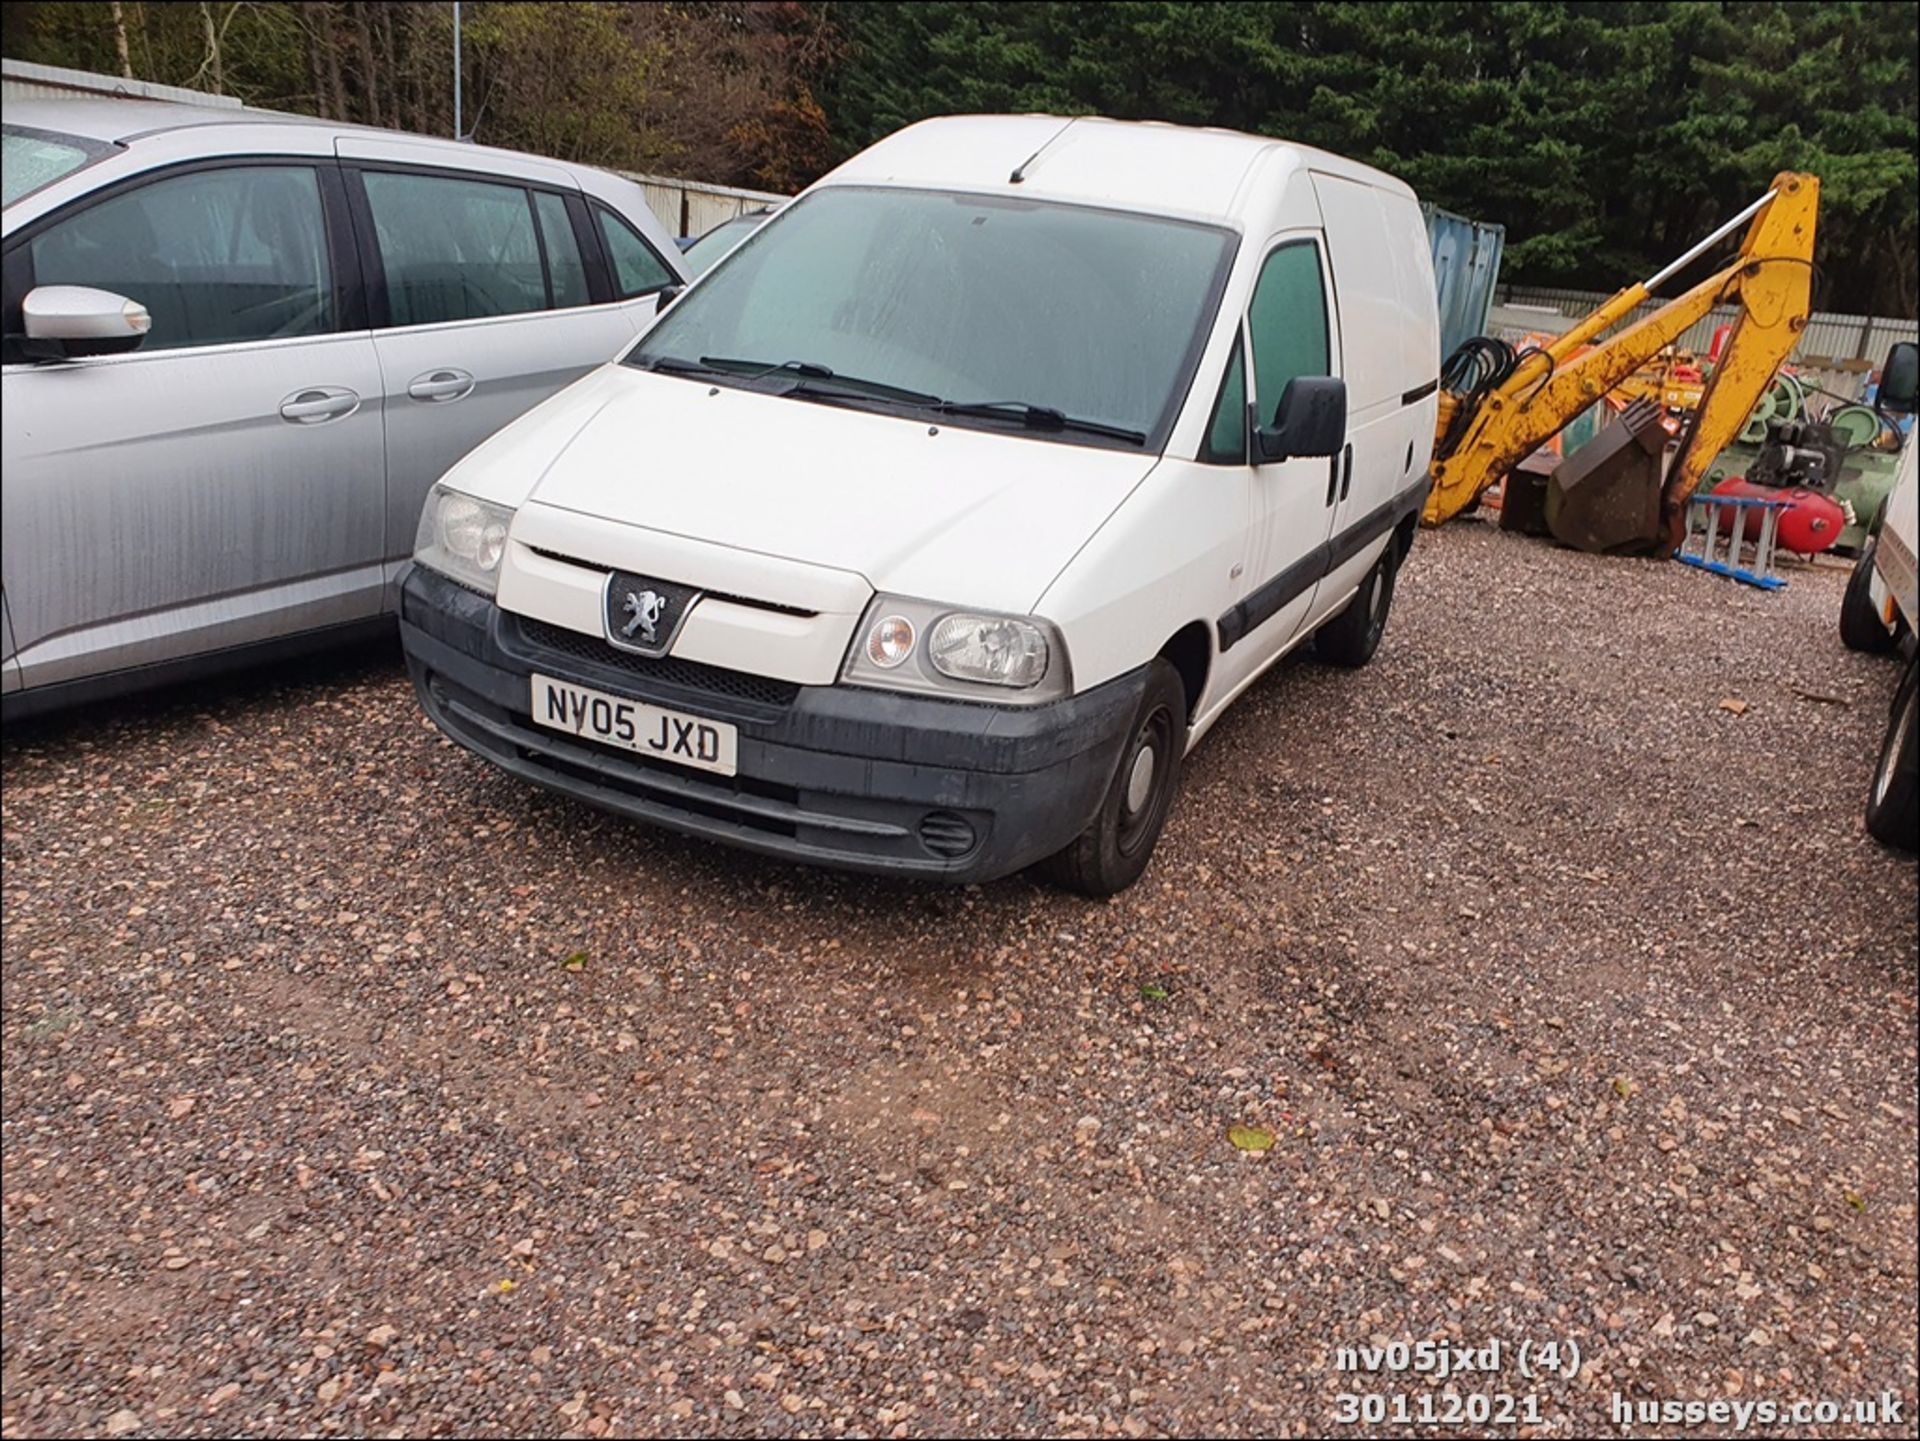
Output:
(930, 529)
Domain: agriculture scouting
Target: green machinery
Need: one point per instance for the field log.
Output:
(1866, 477)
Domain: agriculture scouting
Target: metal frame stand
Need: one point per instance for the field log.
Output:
(1703, 528)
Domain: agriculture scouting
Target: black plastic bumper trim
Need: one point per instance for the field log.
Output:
(532, 739)
(843, 777)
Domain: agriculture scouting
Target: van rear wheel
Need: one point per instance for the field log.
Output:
(1351, 637)
(1110, 854)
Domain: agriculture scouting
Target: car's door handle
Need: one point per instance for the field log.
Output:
(441, 385)
(1346, 478)
(318, 403)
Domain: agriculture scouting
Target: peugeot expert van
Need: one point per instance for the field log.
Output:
(929, 530)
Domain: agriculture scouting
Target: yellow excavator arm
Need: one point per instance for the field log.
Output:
(1771, 278)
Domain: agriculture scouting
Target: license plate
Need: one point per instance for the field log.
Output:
(634, 725)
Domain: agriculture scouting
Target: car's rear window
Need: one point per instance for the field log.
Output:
(36, 158)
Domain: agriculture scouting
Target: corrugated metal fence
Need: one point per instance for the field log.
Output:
(1466, 264)
(1828, 335)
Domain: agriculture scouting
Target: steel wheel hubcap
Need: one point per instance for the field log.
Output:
(1140, 781)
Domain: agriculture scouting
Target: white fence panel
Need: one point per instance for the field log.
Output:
(691, 207)
(24, 80)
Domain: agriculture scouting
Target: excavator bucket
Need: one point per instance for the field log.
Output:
(1606, 495)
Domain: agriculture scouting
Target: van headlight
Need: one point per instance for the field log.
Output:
(915, 645)
(463, 538)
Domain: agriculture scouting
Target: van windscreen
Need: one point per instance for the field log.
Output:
(1095, 314)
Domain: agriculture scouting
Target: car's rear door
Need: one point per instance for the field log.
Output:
(224, 483)
(489, 291)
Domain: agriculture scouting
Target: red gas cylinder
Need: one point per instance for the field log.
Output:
(1811, 523)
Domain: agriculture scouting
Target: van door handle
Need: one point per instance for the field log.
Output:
(319, 403)
(1333, 478)
(440, 385)
(1346, 482)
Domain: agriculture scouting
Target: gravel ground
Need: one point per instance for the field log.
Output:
(354, 1088)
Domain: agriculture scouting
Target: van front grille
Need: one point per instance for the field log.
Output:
(686, 675)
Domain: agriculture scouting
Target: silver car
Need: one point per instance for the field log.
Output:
(238, 349)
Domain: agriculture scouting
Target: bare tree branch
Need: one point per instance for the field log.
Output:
(120, 41)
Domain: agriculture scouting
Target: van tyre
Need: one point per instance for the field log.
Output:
(1110, 853)
(1351, 637)
(1893, 805)
(1860, 625)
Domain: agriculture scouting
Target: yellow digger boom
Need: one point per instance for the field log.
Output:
(1771, 279)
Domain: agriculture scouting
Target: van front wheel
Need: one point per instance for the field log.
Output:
(1351, 637)
(1110, 854)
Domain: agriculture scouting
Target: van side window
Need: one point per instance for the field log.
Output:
(1288, 323)
(636, 269)
(229, 254)
(454, 249)
(1226, 438)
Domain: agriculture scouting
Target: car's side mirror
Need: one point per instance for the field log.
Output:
(1900, 378)
(668, 294)
(1310, 420)
(63, 322)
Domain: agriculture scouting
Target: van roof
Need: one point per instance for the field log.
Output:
(1131, 164)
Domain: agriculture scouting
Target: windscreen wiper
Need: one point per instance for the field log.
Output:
(1038, 417)
(810, 375)
(809, 371)
(676, 365)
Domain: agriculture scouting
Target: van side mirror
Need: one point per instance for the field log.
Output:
(63, 322)
(1900, 378)
(668, 294)
(1310, 420)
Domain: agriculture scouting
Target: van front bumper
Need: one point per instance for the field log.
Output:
(841, 776)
